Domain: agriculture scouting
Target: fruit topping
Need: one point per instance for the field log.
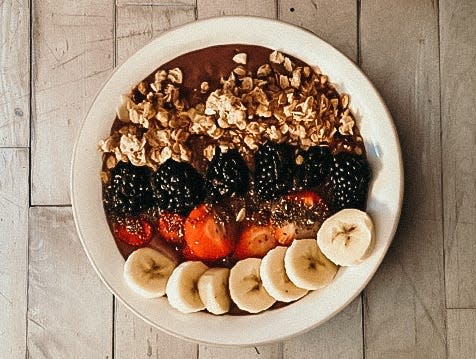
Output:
(298, 215)
(347, 237)
(206, 237)
(134, 231)
(171, 227)
(315, 167)
(129, 191)
(178, 186)
(307, 267)
(255, 241)
(147, 271)
(227, 175)
(350, 176)
(273, 170)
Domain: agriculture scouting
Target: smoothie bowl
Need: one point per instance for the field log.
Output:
(242, 179)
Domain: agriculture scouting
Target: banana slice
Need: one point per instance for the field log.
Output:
(246, 288)
(146, 272)
(307, 267)
(213, 290)
(347, 237)
(182, 290)
(274, 277)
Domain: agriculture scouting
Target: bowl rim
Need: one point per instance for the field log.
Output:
(224, 19)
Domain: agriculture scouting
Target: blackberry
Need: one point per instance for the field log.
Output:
(128, 191)
(177, 186)
(316, 165)
(274, 167)
(227, 175)
(350, 176)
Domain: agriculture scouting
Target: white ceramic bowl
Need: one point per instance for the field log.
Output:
(385, 195)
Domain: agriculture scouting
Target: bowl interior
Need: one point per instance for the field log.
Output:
(385, 195)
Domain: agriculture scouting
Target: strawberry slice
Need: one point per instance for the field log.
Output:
(205, 237)
(255, 241)
(188, 254)
(134, 231)
(171, 227)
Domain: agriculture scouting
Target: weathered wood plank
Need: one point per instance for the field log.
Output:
(167, 3)
(333, 21)
(461, 333)
(69, 309)
(210, 8)
(137, 25)
(270, 351)
(399, 52)
(13, 251)
(458, 80)
(404, 309)
(137, 339)
(341, 337)
(14, 73)
(73, 50)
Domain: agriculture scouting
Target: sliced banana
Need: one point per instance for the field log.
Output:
(274, 277)
(213, 290)
(347, 237)
(246, 288)
(146, 272)
(182, 290)
(307, 267)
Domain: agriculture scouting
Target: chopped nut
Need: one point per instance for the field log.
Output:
(240, 71)
(175, 75)
(287, 64)
(299, 160)
(209, 152)
(283, 81)
(344, 99)
(204, 87)
(240, 58)
(276, 57)
(241, 215)
(263, 70)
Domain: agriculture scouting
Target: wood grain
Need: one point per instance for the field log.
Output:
(210, 8)
(461, 333)
(333, 21)
(14, 73)
(458, 80)
(341, 337)
(270, 351)
(13, 251)
(166, 3)
(137, 25)
(404, 308)
(73, 50)
(137, 339)
(69, 309)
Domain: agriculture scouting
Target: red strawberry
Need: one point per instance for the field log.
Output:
(133, 231)
(206, 238)
(171, 227)
(285, 234)
(255, 241)
(188, 254)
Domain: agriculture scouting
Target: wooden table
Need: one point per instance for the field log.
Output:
(420, 54)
